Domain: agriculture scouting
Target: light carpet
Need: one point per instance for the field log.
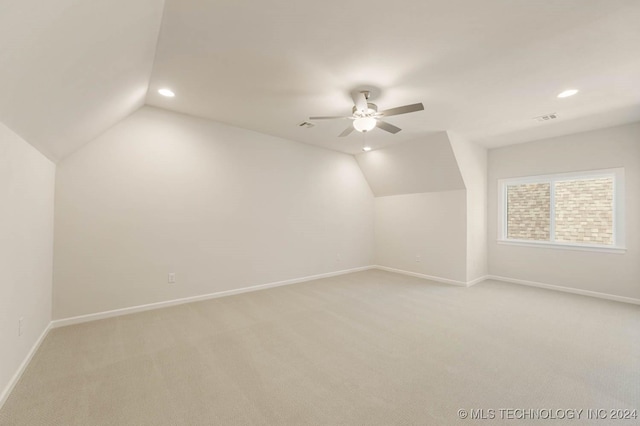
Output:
(369, 348)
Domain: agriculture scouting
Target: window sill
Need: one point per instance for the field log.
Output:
(558, 246)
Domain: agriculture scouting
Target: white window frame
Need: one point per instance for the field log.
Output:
(618, 245)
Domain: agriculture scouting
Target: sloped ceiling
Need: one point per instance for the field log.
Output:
(70, 69)
(424, 165)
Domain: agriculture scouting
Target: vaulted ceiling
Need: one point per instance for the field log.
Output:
(71, 69)
(484, 69)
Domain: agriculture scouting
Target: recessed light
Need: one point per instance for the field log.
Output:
(366, 148)
(166, 92)
(567, 93)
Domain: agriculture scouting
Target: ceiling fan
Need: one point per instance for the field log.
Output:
(366, 116)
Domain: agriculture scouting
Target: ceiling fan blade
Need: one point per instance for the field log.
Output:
(360, 101)
(387, 127)
(334, 117)
(346, 132)
(402, 109)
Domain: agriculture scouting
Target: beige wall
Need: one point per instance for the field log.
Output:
(223, 208)
(26, 249)
(472, 161)
(429, 225)
(617, 274)
(423, 208)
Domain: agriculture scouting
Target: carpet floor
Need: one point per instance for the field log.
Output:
(368, 348)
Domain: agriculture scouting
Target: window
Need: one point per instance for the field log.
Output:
(573, 210)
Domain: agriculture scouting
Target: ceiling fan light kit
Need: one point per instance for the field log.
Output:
(366, 117)
(364, 124)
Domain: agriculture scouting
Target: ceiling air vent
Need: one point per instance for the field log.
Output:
(547, 117)
(306, 124)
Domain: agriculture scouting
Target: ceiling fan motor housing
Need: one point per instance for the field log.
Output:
(372, 109)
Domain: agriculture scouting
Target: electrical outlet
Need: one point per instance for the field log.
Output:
(418, 258)
(338, 257)
(20, 324)
(172, 278)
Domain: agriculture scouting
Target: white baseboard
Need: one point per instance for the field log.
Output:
(477, 280)
(140, 308)
(14, 380)
(566, 289)
(428, 277)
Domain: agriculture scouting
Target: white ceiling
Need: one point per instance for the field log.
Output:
(426, 165)
(71, 69)
(483, 69)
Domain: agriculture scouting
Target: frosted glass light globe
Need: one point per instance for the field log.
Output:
(364, 124)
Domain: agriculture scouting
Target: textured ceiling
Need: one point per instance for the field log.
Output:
(483, 69)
